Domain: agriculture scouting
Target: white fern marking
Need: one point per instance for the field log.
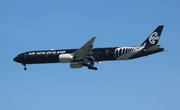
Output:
(125, 53)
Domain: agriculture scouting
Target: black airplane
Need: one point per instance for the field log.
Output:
(87, 55)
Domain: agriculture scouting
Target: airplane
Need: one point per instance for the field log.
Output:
(86, 56)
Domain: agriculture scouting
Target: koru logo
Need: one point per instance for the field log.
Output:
(154, 36)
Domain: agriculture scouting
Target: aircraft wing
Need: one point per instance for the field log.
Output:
(85, 50)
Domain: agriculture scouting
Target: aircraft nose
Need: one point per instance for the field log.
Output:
(16, 59)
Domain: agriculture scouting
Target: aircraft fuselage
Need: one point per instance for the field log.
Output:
(87, 55)
(99, 54)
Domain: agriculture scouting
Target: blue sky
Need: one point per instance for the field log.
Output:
(148, 83)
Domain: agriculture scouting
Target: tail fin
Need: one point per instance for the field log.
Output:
(153, 38)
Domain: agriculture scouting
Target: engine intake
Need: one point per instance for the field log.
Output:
(65, 58)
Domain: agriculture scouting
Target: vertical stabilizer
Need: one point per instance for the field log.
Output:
(153, 38)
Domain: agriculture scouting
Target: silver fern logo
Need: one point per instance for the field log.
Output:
(154, 36)
(125, 53)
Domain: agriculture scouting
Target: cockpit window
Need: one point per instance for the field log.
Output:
(20, 55)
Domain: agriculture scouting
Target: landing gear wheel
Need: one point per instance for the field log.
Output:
(90, 66)
(24, 66)
(95, 68)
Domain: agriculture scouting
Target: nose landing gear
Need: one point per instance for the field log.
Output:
(24, 66)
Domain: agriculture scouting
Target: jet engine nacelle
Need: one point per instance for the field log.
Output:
(65, 58)
(75, 65)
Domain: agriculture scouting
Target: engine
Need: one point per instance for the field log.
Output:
(75, 65)
(65, 58)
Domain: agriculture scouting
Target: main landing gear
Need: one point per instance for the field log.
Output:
(90, 66)
(24, 66)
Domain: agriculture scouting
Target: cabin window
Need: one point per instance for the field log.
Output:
(25, 55)
(107, 51)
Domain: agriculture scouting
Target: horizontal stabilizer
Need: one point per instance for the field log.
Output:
(154, 47)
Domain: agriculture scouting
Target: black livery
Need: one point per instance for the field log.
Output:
(87, 55)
